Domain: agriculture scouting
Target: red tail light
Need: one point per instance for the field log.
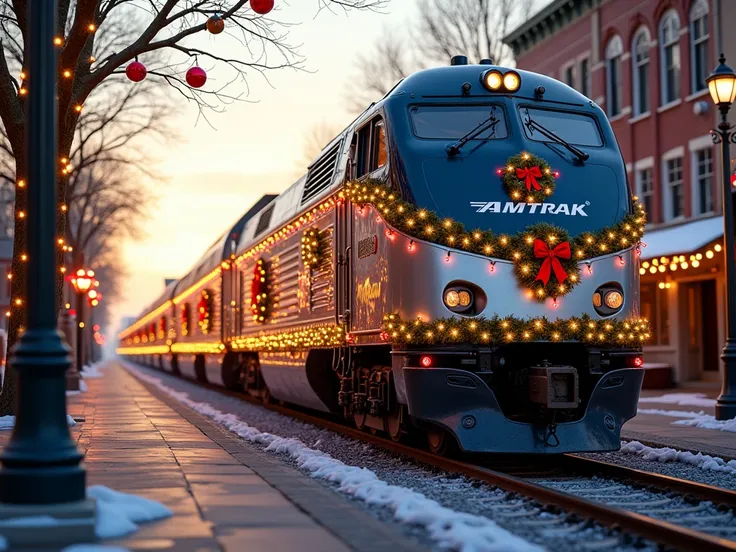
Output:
(636, 362)
(426, 361)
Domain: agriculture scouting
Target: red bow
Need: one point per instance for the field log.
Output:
(551, 260)
(529, 176)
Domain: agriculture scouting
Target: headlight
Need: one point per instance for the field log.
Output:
(614, 299)
(465, 298)
(597, 302)
(511, 81)
(493, 80)
(452, 298)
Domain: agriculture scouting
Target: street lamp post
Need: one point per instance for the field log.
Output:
(41, 463)
(722, 87)
(82, 282)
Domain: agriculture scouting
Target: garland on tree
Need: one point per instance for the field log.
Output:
(258, 292)
(528, 177)
(496, 331)
(313, 246)
(204, 311)
(546, 259)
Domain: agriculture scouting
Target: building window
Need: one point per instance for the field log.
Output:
(669, 40)
(674, 188)
(614, 51)
(640, 51)
(699, 45)
(584, 89)
(703, 161)
(570, 76)
(654, 308)
(645, 189)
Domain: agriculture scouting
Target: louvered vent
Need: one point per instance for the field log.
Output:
(321, 174)
(265, 220)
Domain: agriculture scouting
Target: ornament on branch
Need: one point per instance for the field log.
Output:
(196, 77)
(258, 292)
(312, 247)
(204, 311)
(262, 7)
(136, 71)
(528, 177)
(215, 24)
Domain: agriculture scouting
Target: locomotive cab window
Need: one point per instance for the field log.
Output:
(452, 122)
(371, 151)
(577, 129)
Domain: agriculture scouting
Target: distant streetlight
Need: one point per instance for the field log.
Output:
(83, 282)
(722, 87)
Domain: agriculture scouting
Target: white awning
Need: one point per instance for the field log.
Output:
(682, 238)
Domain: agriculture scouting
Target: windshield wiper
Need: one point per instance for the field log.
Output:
(489, 123)
(533, 125)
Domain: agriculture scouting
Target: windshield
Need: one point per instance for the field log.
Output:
(447, 122)
(574, 128)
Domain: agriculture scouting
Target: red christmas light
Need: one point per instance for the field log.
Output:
(136, 71)
(262, 7)
(196, 77)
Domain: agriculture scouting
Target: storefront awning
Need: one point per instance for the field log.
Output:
(682, 238)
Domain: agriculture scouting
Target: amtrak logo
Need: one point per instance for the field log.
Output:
(570, 210)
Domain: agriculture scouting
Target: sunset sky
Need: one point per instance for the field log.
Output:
(256, 147)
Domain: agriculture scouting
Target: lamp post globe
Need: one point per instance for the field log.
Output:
(722, 88)
(83, 282)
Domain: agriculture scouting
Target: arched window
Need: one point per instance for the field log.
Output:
(640, 65)
(699, 58)
(614, 89)
(669, 44)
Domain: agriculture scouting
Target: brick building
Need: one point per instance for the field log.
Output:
(645, 63)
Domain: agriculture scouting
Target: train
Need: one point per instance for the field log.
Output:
(460, 264)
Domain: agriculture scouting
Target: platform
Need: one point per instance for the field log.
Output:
(657, 430)
(225, 494)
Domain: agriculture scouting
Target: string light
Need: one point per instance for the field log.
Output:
(21, 183)
(91, 27)
(67, 73)
(22, 91)
(58, 41)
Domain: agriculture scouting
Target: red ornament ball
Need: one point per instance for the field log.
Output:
(261, 7)
(136, 71)
(196, 77)
(215, 24)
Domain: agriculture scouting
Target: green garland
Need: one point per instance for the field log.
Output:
(496, 331)
(519, 248)
(528, 177)
(313, 245)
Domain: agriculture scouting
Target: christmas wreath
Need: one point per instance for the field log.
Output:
(204, 311)
(258, 292)
(494, 331)
(545, 256)
(312, 247)
(528, 177)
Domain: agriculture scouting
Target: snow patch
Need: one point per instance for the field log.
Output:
(449, 528)
(706, 421)
(667, 454)
(118, 513)
(671, 413)
(7, 422)
(82, 386)
(681, 399)
(92, 371)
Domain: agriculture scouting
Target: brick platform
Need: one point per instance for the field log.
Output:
(225, 495)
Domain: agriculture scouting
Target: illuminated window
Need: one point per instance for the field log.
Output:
(379, 146)
(655, 308)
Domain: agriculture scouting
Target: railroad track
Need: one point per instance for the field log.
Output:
(622, 498)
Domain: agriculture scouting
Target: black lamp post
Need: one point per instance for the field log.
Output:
(41, 463)
(722, 86)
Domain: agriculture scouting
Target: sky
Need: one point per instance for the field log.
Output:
(213, 174)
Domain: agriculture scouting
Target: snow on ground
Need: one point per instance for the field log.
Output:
(82, 388)
(706, 421)
(681, 399)
(666, 454)
(92, 371)
(7, 422)
(118, 513)
(671, 413)
(448, 528)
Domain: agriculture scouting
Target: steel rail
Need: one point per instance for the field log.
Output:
(654, 529)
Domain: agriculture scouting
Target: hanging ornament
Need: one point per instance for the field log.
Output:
(261, 7)
(215, 24)
(136, 71)
(528, 177)
(258, 295)
(196, 77)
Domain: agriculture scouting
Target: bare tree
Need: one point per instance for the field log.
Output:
(442, 29)
(86, 63)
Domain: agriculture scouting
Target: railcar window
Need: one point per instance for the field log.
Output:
(379, 146)
(575, 128)
(451, 122)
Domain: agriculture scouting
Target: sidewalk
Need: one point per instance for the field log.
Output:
(225, 494)
(658, 430)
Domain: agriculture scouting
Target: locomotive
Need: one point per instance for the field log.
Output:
(460, 263)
